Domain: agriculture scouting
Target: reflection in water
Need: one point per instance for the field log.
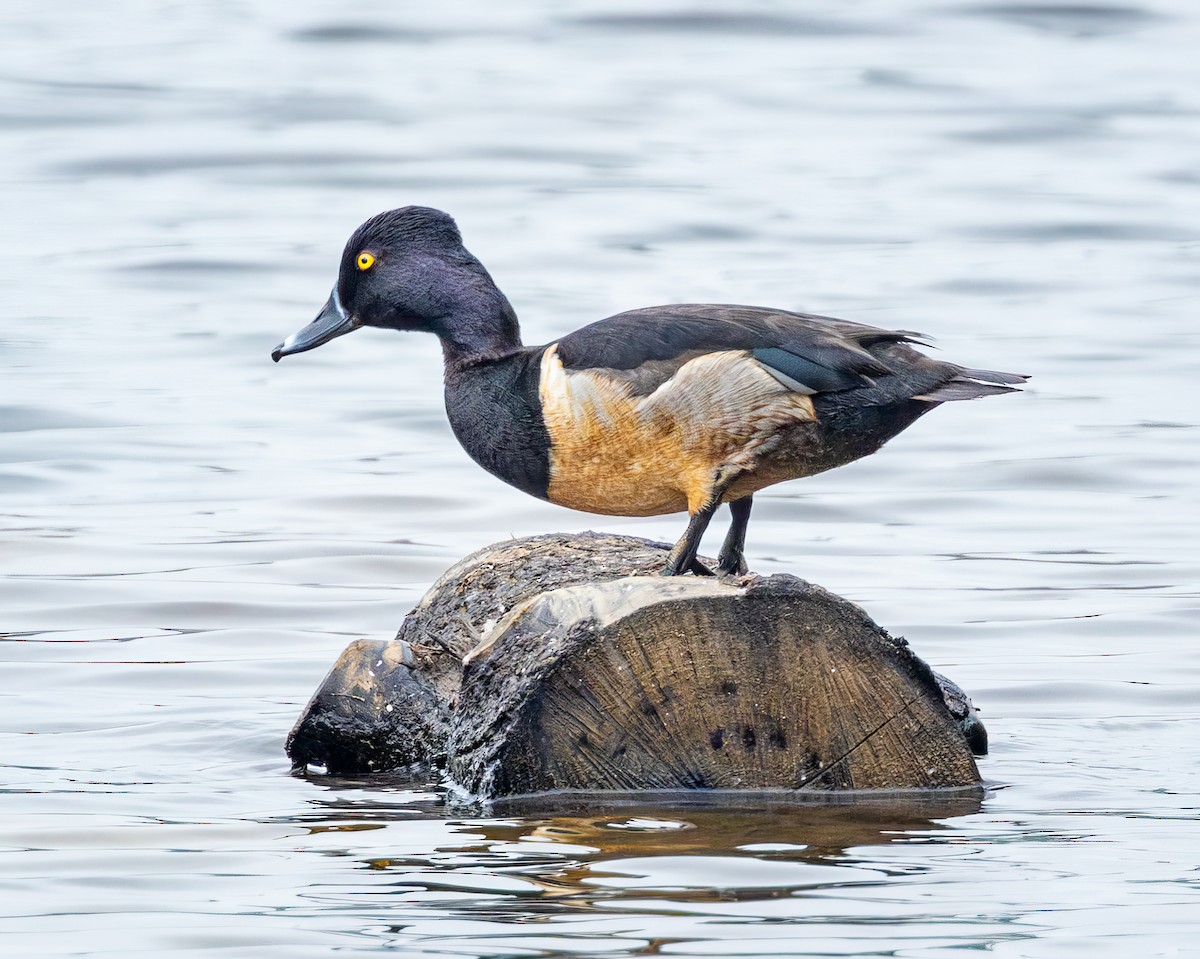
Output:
(703, 826)
(621, 875)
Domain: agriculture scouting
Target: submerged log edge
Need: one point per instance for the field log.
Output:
(563, 662)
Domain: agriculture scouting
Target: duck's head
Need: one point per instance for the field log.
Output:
(407, 269)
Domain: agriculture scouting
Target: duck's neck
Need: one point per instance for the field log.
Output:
(493, 403)
(481, 327)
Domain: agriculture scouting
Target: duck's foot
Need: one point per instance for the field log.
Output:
(732, 564)
(696, 568)
(699, 569)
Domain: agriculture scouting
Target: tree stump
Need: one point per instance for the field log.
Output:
(563, 662)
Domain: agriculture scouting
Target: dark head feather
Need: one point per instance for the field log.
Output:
(408, 225)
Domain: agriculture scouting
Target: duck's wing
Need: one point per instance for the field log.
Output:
(807, 353)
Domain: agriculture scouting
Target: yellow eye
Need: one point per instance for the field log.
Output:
(365, 260)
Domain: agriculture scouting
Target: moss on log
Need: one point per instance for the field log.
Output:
(557, 662)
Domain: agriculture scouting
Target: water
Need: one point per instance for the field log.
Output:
(191, 534)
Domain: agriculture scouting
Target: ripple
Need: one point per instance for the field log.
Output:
(985, 286)
(1071, 19)
(366, 33)
(23, 419)
(199, 265)
(721, 872)
(146, 164)
(724, 24)
(1073, 232)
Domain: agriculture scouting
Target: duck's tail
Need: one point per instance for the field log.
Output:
(972, 384)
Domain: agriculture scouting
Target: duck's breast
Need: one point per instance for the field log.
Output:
(494, 411)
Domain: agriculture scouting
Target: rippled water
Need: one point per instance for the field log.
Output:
(191, 534)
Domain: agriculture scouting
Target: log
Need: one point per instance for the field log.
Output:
(563, 662)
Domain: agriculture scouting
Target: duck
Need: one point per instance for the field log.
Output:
(658, 410)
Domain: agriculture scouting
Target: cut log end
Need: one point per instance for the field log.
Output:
(698, 684)
(580, 676)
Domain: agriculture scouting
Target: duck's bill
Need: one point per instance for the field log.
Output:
(330, 323)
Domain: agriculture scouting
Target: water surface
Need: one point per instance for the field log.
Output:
(190, 534)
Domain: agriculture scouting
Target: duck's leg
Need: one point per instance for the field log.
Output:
(682, 558)
(731, 561)
(683, 554)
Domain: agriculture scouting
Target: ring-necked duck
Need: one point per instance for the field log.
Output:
(652, 411)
